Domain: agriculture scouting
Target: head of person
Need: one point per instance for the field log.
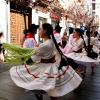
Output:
(94, 34)
(25, 32)
(88, 33)
(1, 34)
(58, 28)
(77, 33)
(46, 30)
(33, 28)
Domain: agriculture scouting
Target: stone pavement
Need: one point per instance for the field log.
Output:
(9, 91)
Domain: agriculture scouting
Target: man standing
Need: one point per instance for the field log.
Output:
(57, 35)
(30, 41)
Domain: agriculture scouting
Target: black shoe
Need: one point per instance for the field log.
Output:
(78, 89)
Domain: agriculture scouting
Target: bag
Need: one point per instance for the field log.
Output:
(67, 61)
(92, 54)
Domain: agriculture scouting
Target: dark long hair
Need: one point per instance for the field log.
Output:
(88, 33)
(1, 34)
(81, 32)
(49, 32)
(64, 60)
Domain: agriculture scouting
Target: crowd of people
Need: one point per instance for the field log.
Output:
(58, 61)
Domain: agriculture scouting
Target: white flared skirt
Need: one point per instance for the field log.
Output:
(47, 77)
(83, 59)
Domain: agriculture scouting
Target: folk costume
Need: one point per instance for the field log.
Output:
(79, 54)
(44, 74)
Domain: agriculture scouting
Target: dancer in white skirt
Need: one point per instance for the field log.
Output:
(93, 41)
(79, 54)
(44, 75)
(96, 37)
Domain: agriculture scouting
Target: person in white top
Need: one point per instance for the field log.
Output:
(96, 36)
(30, 41)
(93, 41)
(71, 37)
(57, 35)
(64, 38)
(45, 75)
(2, 51)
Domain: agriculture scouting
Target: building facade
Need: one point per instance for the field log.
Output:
(4, 19)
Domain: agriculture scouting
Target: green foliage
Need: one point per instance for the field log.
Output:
(17, 54)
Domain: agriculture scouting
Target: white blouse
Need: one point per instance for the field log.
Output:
(77, 45)
(44, 51)
(93, 41)
(58, 37)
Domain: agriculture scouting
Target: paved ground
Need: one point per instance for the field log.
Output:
(9, 91)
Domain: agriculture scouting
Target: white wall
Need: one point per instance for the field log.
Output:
(4, 18)
(35, 17)
(97, 8)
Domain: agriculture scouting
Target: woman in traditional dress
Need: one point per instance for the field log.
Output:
(92, 44)
(44, 75)
(78, 53)
(96, 37)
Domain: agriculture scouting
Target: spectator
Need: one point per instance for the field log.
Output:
(30, 41)
(2, 51)
(57, 35)
(64, 38)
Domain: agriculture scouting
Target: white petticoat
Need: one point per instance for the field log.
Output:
(82, 58)
(47, 77)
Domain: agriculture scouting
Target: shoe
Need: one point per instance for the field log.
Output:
(78, 89)
(92, 73)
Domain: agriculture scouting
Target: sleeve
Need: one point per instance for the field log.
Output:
(38, 55)
(78, 46)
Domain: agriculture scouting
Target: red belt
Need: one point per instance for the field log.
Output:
(51, 60)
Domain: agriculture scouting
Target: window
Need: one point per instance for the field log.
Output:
(97, 7)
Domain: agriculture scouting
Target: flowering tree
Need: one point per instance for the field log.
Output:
(78, 13)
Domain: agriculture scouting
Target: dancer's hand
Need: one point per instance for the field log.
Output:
(36, 45)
